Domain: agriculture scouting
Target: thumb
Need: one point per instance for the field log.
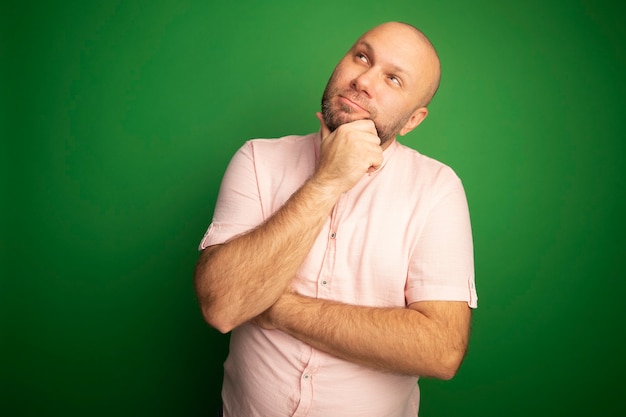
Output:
(323, 128)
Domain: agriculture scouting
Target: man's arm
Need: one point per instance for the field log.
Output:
(240, 279)
(428, 338)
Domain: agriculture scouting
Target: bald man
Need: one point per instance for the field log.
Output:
(342, 261)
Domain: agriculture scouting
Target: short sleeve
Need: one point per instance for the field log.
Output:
(238, 207)
(442, 262)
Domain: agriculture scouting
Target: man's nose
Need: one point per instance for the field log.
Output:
(364, 82)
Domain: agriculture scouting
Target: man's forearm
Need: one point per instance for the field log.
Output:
(241, 278)
(400, 340)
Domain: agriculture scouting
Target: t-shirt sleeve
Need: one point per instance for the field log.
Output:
(238, 207)
(442, 263)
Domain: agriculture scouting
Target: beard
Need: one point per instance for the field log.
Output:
(335, 116)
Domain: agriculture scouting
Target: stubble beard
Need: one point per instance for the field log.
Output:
(335, 117)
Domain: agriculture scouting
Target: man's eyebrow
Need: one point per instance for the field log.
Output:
(366, 44)
(370, 50)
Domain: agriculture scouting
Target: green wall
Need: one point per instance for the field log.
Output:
(118, 120)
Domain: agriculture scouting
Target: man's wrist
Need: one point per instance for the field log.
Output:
(326, 188)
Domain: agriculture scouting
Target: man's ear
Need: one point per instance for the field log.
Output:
(416, 118)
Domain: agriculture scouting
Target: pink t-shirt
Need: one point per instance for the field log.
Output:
(401, 235)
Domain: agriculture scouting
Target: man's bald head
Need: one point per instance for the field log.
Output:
(430, 64)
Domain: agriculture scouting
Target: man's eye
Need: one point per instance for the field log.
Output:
(394, 79)
(362, 57)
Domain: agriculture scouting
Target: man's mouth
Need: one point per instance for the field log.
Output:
(352, 103)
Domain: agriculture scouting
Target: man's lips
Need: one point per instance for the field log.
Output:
(352, 104)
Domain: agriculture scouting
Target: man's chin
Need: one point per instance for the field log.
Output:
(346, 118)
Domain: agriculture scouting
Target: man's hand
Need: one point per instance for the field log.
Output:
(348, 153)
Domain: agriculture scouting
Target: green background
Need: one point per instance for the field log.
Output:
(118, 120)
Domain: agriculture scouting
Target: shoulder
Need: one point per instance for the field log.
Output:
(283, 145)
(424, 169)
(280, 155)
(271, 151)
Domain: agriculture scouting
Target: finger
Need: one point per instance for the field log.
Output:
(375, 164)
(325, 131)
(367, 125)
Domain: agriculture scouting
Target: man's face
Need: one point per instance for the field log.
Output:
(382, 78)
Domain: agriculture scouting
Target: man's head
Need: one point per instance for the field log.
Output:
(389, 75)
